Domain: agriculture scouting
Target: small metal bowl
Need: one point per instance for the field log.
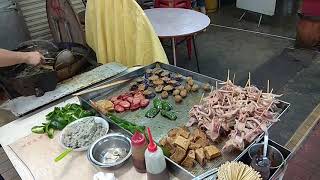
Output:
(273, 154)
(110, 151)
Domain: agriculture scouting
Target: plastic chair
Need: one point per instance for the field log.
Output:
(185, 4)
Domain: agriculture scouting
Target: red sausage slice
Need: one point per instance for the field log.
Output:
(119, 108)
(116, 102)
(136, 101)
(130, 99)
(144, 102)
(124, 104)
(113, 99)
(134, 107)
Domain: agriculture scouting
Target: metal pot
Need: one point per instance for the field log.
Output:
(273, 154)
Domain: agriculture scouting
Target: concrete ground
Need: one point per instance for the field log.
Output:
(268, 54)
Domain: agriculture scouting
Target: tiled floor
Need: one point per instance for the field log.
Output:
(7, 170)
(305, 164)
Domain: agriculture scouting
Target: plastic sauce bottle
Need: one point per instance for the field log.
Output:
(139, 145)
(155, 161)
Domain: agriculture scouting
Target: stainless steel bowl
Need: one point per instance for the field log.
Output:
(273, 154)
(112, 150)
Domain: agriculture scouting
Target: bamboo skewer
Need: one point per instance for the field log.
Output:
(249, 80)
(228, 77)
(234, 77)
(100, 87)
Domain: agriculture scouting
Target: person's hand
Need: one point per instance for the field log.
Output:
(33, 58)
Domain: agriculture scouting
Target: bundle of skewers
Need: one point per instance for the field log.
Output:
(241, 113)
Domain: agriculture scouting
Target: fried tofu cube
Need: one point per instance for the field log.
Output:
(198, 134)
(202, 142)
(184, 132)
(188, 162)
(194, 146)
(191, 137)
(168, 143)
(200, 156)
(173, 132)
(163, 141)
(178, 155)
(182, 142)
(211, 152)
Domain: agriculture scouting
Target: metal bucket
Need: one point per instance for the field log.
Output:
(273, 154)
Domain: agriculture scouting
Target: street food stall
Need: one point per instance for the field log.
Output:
(155, 121)
(148, 97)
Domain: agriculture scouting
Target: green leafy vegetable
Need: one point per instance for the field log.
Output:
(60, 117)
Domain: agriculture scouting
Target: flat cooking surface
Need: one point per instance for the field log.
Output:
(18, 106)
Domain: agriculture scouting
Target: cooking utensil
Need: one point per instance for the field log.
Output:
(110, 151)
(64, 59)
(265, 146)
(101, 87)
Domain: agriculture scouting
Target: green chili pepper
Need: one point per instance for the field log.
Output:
(169, 114)
(126, 124)
(50, 133)
(165, 105)
(151, 113)
(63, 154)
(157, 103)
(38, 129)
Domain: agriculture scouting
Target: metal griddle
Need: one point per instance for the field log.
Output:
(160, 126)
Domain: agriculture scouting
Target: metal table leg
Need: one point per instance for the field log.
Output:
(260, 20)
(242, 15)
(195, 51)
(174, 51)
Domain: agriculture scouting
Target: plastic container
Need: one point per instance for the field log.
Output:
(139, 145)
(155, 161)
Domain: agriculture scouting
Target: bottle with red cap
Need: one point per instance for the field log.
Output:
(155, 161)
(139, 145)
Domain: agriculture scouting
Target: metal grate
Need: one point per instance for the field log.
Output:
(34, 13)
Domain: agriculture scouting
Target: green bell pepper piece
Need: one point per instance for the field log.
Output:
(151, 113)
(157, 103)
(169, 114)
(165, 105)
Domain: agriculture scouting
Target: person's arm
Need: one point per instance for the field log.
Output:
(8, 58)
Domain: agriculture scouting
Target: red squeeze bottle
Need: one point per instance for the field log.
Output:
(139, 145)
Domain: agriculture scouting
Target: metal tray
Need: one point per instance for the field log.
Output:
(160, 126)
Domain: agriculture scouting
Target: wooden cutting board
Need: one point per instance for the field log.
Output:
(37, 152)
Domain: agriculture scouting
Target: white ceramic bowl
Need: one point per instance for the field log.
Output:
(100, 120)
